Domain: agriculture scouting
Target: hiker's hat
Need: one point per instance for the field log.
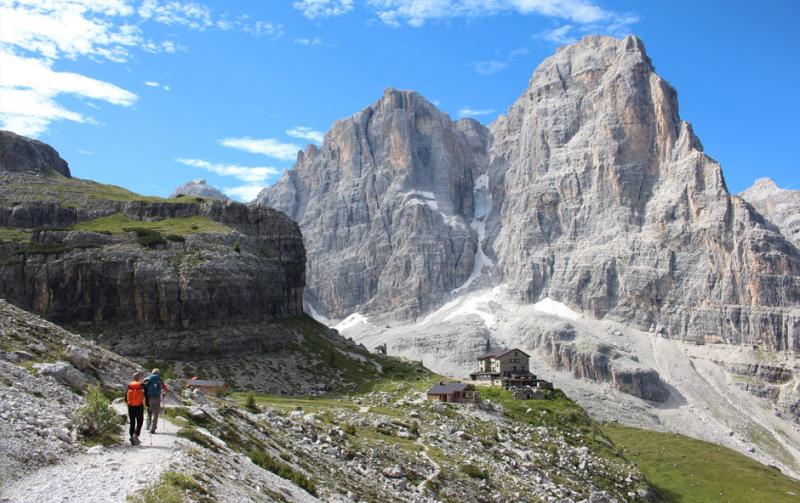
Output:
(156, 371)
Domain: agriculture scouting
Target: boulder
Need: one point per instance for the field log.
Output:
(64, 373)
(393, 472)
(79, 357)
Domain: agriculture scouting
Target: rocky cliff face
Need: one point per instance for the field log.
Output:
(18, 153)
(604, 200)
(199, 188)
(593, 192)
(185, 279)
(779, 206)
(386, 206)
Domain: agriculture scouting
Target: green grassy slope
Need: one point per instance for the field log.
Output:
(686, 470)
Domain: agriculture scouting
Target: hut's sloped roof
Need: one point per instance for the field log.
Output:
(497, 353)
(448, 388)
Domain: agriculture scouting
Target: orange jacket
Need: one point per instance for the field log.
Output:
(135, 394)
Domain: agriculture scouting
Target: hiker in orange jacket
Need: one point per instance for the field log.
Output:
(134, 398)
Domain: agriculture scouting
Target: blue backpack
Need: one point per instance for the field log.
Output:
(153, 384)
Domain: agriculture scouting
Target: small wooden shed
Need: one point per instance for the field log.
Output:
(456, 392)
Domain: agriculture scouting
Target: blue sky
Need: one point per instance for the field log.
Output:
(148, 94)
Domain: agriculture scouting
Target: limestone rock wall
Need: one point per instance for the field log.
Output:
(385, 205)
(605, 200)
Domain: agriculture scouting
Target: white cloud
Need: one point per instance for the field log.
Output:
(306, 133)
(85, 152)
(28, 91)
(313, 9)
(244, 193)
(489, 67)
(492, 66)
(417, 12)
(36, 34)
(250, 174)
(313, 42)
(153, 83)
(170, 12)
(266, 146)
(560, 35)
(473, 112)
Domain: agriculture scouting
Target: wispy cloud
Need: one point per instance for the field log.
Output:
(29, 88)
(306, 133)
(417, 13)
(251, 174)
(36, 35)
(560, 35)
(269, 147)
(244, 192)
(85, 152)
(311, 42)
(313, 9)
(492, 66)
(489, 67)
(474, 112)
(153, 83)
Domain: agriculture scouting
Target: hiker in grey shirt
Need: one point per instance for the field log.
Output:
(155, 393)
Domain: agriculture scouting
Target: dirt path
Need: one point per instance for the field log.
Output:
(104, 477)
(436, 468)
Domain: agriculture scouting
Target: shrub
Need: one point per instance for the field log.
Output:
(177, 238)
(474, 472)
(198, 438)
(171, 488)
(147, 237)
(250, 403)
(237, 246)
(349, 428)
(96, 421)
(282, 470)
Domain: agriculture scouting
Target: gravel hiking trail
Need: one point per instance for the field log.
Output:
(100, 476)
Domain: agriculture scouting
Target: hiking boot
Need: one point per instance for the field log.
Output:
(136, 440)
(133, 440)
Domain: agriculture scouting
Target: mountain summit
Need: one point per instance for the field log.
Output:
(590, 191)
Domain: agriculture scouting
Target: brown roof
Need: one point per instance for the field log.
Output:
(497, 353)
(448, 388)
(205, 383)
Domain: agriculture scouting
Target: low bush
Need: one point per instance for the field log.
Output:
(282, 470)
(474, 472)
(177, 238)
(147, 237)
(250, 403)
(96, 422)
(198, 438)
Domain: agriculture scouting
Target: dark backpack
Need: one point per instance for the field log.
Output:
(153, 384)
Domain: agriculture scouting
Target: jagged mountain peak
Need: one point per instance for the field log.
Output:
(199, 187)
(779, 206)
(588, 181)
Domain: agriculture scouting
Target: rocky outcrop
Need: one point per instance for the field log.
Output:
(19, 153)
(779, 206)
(385, 205)
(252, 274)
(562, 349)
(624, 215)
(183, 279)
(199, 188)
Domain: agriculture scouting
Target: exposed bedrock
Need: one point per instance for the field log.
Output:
(563, 349)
